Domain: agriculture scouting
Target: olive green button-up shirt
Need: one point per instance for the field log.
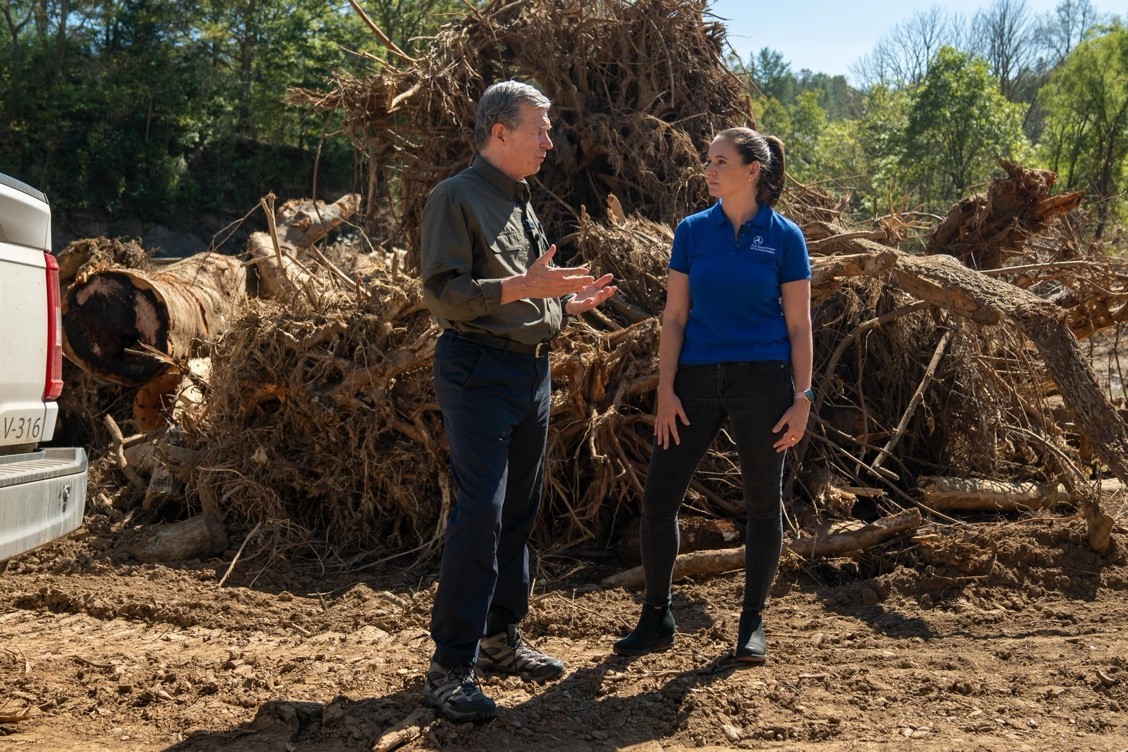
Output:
(479, 228)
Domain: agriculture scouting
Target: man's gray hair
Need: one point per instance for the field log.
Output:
(501, 103)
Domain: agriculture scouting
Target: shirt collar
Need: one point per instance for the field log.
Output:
(517, 190)
(717, 215)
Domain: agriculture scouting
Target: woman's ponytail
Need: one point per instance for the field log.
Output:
(770, 187)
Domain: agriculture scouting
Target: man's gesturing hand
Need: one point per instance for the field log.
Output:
(592, 295)
(542, 280)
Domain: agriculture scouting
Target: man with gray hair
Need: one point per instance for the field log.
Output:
(489, 282)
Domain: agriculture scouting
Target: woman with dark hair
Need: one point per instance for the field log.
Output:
(736, 344)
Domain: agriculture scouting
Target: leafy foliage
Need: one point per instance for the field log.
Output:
(1086, 134)
(958, 127)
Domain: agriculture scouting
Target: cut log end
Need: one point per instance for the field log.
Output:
(108, 316)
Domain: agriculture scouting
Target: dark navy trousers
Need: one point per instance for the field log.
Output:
(495, 406)
(752, 396)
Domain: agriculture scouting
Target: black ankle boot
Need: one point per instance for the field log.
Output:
(655, 631)
(750, 646)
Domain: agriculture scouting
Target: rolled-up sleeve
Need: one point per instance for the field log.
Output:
(450, 290)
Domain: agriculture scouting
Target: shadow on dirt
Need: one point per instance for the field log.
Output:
(577, 712)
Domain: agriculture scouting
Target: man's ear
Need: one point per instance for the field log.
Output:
(499, 131)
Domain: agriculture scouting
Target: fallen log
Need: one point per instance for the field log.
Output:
(295, 228)
(198, 537)
(112, 316)
(808, 546)
(304, 222)
(981, 495)
(948, 284)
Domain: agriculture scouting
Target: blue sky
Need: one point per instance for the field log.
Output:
(827, 36)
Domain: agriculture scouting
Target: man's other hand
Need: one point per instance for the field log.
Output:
(592, 295)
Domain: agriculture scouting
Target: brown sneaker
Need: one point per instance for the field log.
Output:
(455, 693)
(508, 653)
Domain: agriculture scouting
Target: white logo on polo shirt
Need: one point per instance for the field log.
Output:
(758, 245)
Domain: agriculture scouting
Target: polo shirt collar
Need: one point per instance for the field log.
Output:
(517, 190)
(717, 215)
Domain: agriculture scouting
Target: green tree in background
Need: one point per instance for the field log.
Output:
(807, 122)
(840, 164)
(407, 21)
(1086, 129)
(255, 52)
(836, 96)
(959, 125)
(881, 139)
(797, 108)
(771, 76)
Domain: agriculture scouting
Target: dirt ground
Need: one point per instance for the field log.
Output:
(987, 636)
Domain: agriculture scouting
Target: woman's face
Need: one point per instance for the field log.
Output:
(725, 172)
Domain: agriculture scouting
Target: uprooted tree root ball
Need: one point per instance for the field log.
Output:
(322, 417)
(638, 89)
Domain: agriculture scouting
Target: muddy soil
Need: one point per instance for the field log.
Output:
(994, 635)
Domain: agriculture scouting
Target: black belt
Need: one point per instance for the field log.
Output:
(504, 343)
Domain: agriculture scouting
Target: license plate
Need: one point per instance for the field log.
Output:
(23, 428)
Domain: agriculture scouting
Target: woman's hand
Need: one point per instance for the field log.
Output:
(792, 425)
(666, 419)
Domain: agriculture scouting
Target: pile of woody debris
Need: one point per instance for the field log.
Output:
(290, 391)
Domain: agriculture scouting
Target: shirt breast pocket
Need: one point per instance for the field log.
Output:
(510, 251)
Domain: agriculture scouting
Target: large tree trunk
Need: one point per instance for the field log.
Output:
(112, 316)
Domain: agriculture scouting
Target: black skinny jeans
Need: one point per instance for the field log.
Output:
(753, 396)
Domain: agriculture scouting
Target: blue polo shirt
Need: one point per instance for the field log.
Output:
(735, 311)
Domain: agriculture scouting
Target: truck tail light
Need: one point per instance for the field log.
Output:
(53, 386)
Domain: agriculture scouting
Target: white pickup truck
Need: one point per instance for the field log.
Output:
(42, 490)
